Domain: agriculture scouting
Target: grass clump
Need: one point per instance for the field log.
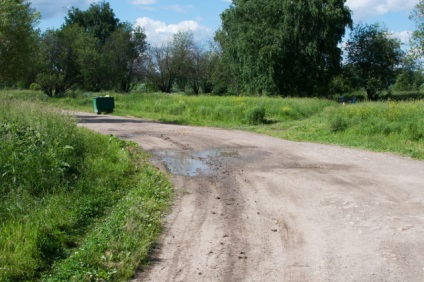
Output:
(255, 116)
(74, 205)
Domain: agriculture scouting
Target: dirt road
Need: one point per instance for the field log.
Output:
(257, 208)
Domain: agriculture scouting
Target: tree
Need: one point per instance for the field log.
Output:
(375, 55)
(18, 39)
(417, 40)
(60, 56)
(124, 50)
(283, 47)
(99, 20)
(171, 62)
(410, 77)
(159, 69)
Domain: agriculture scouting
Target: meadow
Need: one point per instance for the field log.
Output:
(385, 126)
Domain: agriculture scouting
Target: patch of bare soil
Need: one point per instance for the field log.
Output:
(257, 208)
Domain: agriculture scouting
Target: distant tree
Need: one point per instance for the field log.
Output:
(283, 47)
(173, 62)
(159, 68)
(18, 40)
(59, 59)
(99, 20)
(198, 69)
(417, 40)
(182, 47)
(124, 51)
(375, 55)
(410, 77)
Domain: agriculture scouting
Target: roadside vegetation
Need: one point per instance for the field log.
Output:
(75, 206)
(385, 126)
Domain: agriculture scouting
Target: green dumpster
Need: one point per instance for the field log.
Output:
(103, 104)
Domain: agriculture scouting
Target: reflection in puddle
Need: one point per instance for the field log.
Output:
(192, 163)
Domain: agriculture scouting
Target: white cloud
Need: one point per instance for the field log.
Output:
(143, 2)
(159, 32)
(403, 36)
(363, 9)
(50, 9)
(179, 8)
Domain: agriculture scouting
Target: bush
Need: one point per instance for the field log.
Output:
(35, 87)
(338, 124)
(255, 116)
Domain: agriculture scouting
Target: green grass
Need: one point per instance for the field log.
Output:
(75, 206)
(393, 126)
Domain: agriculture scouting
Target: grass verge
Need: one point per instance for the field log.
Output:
(75, 206)
(391, 126)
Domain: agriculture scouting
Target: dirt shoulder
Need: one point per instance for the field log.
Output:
(257, 208)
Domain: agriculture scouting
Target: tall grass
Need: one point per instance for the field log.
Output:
(379, 126)
(65, 190)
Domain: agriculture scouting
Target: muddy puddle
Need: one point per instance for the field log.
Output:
(194, 163)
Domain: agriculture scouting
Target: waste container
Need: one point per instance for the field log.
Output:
(103, 104)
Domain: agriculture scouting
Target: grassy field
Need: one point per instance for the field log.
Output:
(75, 206)
(390, 126)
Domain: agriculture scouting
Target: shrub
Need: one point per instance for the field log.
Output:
(35, 87)
(255, 116)
(338, 124)
(415, 132)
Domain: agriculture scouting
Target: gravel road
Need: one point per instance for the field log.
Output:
(257, 208)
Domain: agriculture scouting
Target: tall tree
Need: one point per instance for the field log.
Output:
(159, 68)
(417, 40)
(170, 63)
(60, 56)
(18, 39)
(100, 23)
(375, 55)
(99, 20)
(282, 46)
(124, 52)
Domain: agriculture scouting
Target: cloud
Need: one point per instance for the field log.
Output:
(362, 9)
(179, 8)
(159, 32)
(143, 2)
(50, 9)
(403, 36)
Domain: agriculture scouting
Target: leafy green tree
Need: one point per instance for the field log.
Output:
(410, 77)
(282, 46)
(18, 40)
(99, 23)
(124, 51)
(375, 55)
(417, 40)
(99, 20)
(61, 54)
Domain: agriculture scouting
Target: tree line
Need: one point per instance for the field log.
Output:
(272, 47)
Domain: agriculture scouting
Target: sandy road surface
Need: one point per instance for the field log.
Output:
(256, 208)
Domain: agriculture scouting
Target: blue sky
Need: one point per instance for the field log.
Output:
(162, 18)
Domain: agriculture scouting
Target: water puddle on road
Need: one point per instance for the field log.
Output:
(193, 163)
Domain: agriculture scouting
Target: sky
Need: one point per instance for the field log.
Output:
(163, 18)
